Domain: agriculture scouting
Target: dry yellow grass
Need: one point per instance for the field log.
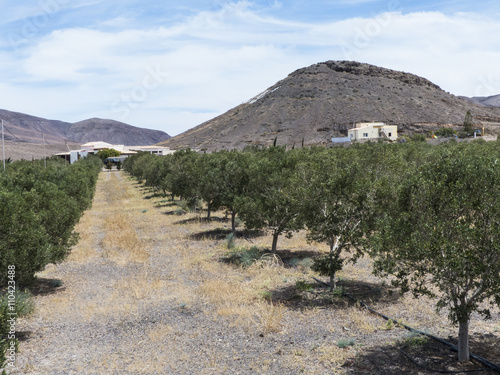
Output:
(121, 243)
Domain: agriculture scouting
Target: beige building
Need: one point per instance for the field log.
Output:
(373, 131)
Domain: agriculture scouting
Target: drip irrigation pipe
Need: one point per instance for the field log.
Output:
(479, 359)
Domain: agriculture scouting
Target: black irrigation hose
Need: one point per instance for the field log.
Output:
(479, 359)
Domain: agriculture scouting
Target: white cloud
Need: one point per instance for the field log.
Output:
(215, 60)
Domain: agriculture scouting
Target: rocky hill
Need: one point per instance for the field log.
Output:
(322, 101)
(25, 128)
(114, 132)
(493, 101)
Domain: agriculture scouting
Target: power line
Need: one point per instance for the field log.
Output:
(20, 140)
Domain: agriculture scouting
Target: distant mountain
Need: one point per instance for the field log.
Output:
(493, 101)
(114, 132)
(322, 101)
(25, 128)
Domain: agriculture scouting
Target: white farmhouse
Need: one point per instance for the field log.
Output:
(373, 131)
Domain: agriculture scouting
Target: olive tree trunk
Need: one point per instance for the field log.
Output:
(275, 241)
(463, 341)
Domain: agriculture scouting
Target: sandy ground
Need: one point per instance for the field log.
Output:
(145, 292)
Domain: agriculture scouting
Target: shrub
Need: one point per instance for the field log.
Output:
(230, 241)
(345, 343)
(303, 286)
(245, 257)
(445, 132)
(414, 339)
(418, 137)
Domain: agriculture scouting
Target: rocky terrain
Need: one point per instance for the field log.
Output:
(493, 101)
(25, 128)
(322, 101)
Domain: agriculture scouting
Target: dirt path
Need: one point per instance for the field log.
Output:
(144, 293)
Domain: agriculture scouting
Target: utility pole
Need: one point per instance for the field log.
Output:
(3, 148)
(44, 156)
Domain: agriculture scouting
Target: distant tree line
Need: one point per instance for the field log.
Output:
(429, 215)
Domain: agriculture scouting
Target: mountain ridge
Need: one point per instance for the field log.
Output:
(21, 127)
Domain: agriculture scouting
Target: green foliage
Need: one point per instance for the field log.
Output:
(230, 239)
(445, 132)
(390, 324)
(233, 180)
(327, 265)
(441, 231)
(107, 153)
(267, 295)
(270, 200)
(418, 137)
(245, 257)
(468, 123)
(415, 340)
(39, 208)
(335, 187)
(345, 343)
(303, 286)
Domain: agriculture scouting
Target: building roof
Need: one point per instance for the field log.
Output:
(97, 144)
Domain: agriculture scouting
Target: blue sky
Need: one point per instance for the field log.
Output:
(171, 65)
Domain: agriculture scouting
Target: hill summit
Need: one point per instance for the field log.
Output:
(322, 101)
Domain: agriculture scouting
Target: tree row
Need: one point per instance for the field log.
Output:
(40, 204)
(429, 215)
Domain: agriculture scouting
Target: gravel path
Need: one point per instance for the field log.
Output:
(132, 302)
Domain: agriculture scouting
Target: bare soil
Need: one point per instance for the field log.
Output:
(147, 291)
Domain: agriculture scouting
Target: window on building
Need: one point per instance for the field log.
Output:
(365, 135)
(390, 134)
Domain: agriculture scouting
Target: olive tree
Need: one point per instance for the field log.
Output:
(232, 179)
(107, 153)
(336, 206)
(440, 234)
(270, 201)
